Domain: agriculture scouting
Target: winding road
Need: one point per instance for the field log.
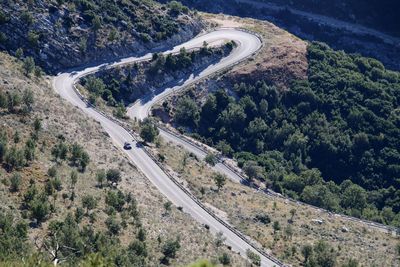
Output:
(247, 45)
(325, 20)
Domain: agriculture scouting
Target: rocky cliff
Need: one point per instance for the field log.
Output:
(62, 35)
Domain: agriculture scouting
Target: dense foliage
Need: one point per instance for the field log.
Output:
(332, 141)
(148, 131)
(72, 241)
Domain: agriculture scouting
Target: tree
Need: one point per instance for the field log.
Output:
(141, 234)
(288, 231)
(319, 195)
(13, 100)
(307, 251)
(224, 259)
(29, 149)
(113, 176)
(204, 49)
(398, 249)
(187, 112)
(74, 178)
(19, 53)
(253, 257)
(319, 255)
(37, 125)
(138, 248)
(225, 148)
(276, 226)
(262, 218)
(96, 23)
(219, 180)
(101, 177)
(82, 45)
(60, 151)
(15, 182)
(28, 99)
(13, 237)
(16, 137)
(219, 239)
(148, 131)
(202, 263)
(52, 171)
(324, 254)
(253, 170)
(64, 196)
(116, 200)
(3, 146)
(355, 197)
(89, 202)
(30, 195)
(209, 111)
(296, 142)
(95, 86)
(211, 159)
(14, 159)
(167, 206)
(113, 225)
(39, 208)
(176, 8)
(169, 249)
(49, 188)
(79, 157)
(29, 65)
(351, 263)
(3, 100)
(292, 213)
(120, 111)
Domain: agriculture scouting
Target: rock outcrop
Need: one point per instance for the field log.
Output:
(69, 35)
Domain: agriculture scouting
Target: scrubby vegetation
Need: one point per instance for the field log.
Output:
(65, 196)
(70, 238)
(281, 226)
(73, 238)
(119, 86)
(60, 34)
(331, 141)
(148, 130)
(373, 14)
(379, 15)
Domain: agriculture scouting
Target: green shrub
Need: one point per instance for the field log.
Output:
(148, 131)
(15, 182)
(29, 65)
(113, 176)
(33, 38)
(3, 38)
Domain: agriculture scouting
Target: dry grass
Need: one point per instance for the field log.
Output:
(58, 117)
(282, 59)
(240, 204)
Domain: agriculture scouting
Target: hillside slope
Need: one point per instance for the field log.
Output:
(311, 25)
(63, 182)
(382, 15)
(330, 138)
(62, 34)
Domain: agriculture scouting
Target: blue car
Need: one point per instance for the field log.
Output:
(127, 146)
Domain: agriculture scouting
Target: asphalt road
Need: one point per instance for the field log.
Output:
(325, 20)
(64, 82)
(247, 44)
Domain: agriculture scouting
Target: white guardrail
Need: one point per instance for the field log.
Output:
(187, 192)
(205, 150)
(387, 228)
